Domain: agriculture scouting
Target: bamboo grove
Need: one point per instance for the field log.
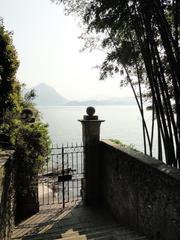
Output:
(141, 40)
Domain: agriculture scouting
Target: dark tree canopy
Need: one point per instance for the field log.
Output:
(9, 86)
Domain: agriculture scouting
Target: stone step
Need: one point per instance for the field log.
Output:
(59, 230)
(70, 233)
(79, 223)
(104, 237)
(110, 237)
(85, 229)
(128, 237)
(82, 237)
(108, 231)
(104, 234)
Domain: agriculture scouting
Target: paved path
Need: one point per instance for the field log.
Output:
(75, 223)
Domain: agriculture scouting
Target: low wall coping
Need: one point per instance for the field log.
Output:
(145, 159)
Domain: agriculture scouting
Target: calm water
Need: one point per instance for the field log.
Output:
(121, 122)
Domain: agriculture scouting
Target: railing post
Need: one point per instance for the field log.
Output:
(63, 189)
(91, 136)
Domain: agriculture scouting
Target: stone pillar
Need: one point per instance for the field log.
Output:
(91, 135)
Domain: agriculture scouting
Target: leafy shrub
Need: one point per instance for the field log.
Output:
(30, 141)
(129, 146)
(32, 147)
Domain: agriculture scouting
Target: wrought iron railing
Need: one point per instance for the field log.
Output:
(60, 180)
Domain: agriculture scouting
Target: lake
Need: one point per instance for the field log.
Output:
(121, 122)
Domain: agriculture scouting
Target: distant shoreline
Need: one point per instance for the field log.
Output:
(85, 105)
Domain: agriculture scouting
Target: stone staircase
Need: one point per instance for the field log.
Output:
(115, 232)
(77, 223)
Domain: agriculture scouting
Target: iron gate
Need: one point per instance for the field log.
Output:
(61, 179)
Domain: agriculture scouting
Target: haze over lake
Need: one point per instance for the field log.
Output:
(121, 122)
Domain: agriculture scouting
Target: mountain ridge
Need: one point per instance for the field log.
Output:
(48, 96)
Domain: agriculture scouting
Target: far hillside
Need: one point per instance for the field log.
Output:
(48, 96)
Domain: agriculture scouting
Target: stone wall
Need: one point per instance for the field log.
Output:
(6, 195)
(141, 191)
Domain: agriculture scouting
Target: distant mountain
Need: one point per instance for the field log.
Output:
(111, 101)
(48, 96)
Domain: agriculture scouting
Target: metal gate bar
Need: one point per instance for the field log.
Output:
(60, 180)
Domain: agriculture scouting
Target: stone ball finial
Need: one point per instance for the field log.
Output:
(90, 111)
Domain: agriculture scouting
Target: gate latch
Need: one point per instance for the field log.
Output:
(66, 175)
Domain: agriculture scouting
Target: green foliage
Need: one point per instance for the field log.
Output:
(8, 129)
(30, 141)
(10, 98)
(20, 126)
(9, 63)
(29, 96)
(32, 147)
(117, 142)
(128, 146)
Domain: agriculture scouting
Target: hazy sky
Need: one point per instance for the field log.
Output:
(48, 47)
